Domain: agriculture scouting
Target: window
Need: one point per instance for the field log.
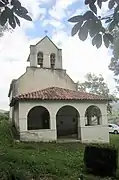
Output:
(40, 59)
(52, 60)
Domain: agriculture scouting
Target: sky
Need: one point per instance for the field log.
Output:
(79, 57)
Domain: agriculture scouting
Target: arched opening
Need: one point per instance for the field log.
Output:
(52, 60)
(40, 59)
(67, 119)
(38, 118)
(93, 116)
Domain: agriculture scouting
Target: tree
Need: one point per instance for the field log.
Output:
(114, 64)
(96, 85)
(10, 11)
(91, 24)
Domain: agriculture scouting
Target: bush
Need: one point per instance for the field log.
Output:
(101, 160)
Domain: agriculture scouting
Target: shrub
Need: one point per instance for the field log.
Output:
(101, 160)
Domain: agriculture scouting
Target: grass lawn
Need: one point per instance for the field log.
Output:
(47, 161)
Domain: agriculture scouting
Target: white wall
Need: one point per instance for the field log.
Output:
(95, 134)
(91, 133)
(45, 135)
(37, 78)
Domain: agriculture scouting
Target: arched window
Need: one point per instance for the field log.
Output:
(52, 60)
(93, 116)
(40, 59)
(38, 118)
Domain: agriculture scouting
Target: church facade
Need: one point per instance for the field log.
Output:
(45, 104)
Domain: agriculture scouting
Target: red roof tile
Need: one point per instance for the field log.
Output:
(56, 93)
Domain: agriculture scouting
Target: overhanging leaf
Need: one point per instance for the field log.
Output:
(106, 40)
(17, 11)
(97, 40)
(93, 8)
(6, 1)
(111, 4)
(95, 27)
(116, 17)
(12, 22)
(27, 17)
(92, 28)
(21, 14)
(99, 3)
(1, 4)
(111, 26)
(23, 10)
(17, 20)
(87, 2)
(89, 15)
(75, 19)
(110, 37)
(76, 28)
(92, 1)
(16, 3)
(109, 20)
(3, 18)
(83, 32)
(116, 9)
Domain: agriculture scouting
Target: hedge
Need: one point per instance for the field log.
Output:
(101, 160)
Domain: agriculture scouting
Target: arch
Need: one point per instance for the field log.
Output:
(93, 116)
(52, 59)
(40, 58)
(67, 119)
(38, 118)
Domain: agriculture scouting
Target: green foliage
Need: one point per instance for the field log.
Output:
(45, 161)
(5, 134)
(10, 11)
(4, 116)
(96, 85)
(114, 64)
(91, 24)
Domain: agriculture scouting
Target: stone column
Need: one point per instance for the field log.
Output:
(53, 126)
(104, 120)
(81, 125)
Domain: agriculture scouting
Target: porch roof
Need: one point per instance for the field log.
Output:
(57, 93)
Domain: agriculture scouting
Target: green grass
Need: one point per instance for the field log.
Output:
(51, 161)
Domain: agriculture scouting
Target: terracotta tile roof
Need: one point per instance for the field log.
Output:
(56, 93)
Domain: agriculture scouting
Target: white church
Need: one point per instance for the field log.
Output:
(45, 104)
